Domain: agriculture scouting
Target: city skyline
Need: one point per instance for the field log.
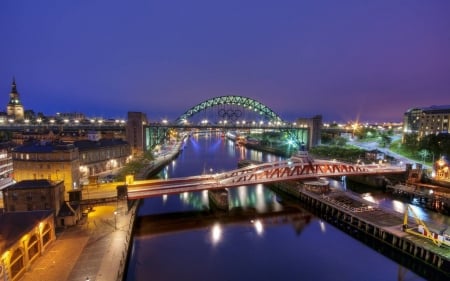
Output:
(346, 60)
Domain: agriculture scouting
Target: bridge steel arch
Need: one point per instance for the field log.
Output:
(248, 103)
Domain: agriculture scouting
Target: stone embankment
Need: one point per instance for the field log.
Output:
(161, 160)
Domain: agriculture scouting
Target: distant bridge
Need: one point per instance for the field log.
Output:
(295, 168)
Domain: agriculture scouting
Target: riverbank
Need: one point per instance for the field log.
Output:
(95, 249)
(160, 161)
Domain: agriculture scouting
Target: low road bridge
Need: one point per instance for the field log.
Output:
(300, 167)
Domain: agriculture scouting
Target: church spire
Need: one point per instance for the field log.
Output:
(13, 86)
(14, 108)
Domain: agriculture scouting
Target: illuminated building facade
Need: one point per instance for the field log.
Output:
(69, 162)
(102, 156)
(427, 120)
(24, 237)
(6, 166)
(47, 160)
(34, 195)
(442, 169)
(14, 109)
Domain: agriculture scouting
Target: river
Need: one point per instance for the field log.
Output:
(184, 241)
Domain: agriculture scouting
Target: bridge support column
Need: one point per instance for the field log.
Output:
(218, 199)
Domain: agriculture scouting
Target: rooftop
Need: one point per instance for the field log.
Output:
(31, 184)
(16, 224)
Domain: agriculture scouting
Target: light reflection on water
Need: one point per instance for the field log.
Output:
(250, 250)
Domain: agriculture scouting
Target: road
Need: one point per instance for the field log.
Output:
(375, 145)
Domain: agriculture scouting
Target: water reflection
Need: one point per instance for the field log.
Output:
(262, 236)
(216, 233)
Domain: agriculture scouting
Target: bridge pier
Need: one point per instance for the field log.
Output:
(218, 199)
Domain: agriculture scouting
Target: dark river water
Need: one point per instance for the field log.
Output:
(263, 237)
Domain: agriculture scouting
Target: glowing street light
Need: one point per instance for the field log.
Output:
(115, 220)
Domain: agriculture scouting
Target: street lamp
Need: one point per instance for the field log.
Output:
(115, 220)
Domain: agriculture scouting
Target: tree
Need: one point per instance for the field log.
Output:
(410, 142)
(385, 140)
(424, 154)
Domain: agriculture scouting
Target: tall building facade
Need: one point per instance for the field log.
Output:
(50, 161)
(34, 195)
(427, 120)
(14, 109)
(68, 161)
(135, 132)
(6, 166)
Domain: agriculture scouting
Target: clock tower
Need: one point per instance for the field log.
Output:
(15, 107)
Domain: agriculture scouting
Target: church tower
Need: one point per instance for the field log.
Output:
(15, 107)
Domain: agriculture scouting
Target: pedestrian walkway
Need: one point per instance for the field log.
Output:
(161, 160)
(94, 250)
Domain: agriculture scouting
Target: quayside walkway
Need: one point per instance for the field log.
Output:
(96, 250)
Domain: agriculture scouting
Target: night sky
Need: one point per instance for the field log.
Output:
(346, 60)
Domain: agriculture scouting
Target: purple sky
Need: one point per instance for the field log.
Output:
(347, 60)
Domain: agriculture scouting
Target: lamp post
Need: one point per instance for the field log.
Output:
(115, 220)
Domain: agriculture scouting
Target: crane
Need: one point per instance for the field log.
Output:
(423, 231)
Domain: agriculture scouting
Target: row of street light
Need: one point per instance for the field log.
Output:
(205, 122)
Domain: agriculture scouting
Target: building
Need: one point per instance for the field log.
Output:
(314, 126)
(33, 195)
(441, 168)
(14, 109)
(72, 162)
(23, 137)
(102, 156)
(6, 166)
(135, 132)
(24, 237)
(427, 120)
(54, 161)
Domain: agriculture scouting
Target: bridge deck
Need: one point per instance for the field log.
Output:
(291, 169)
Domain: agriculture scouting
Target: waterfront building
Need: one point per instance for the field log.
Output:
(34, 195)
(427, 120)
(6, 166)
(102, 156)
(14, 109)
(24, 237)
(441, 167)
(69, 161)
(53, 161)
